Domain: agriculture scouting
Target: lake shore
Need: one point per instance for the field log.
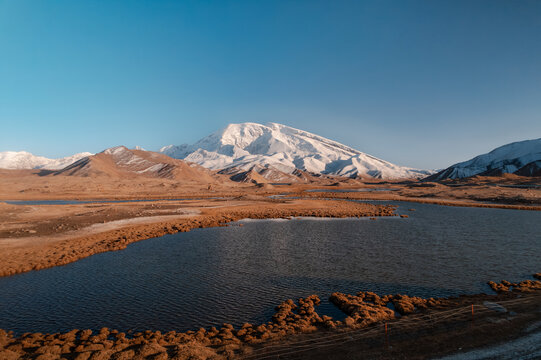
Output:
(500, 326)
(53, 235)
(416, 328)
(34, 237)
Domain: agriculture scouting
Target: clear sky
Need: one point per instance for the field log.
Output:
(418, 83)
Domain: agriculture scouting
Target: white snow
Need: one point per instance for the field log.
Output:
(153, 168)
(26, 160)
(284, 148)
(507, 159)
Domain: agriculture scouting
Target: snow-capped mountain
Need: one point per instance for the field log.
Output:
(521, 158)
(286, 149)
(26, 160)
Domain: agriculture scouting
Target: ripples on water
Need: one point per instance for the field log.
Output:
(239, 274)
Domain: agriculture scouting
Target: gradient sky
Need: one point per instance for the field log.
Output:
(418, 83)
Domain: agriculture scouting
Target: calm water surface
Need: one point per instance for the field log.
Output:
(238, 274)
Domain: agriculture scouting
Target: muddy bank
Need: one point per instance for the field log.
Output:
(292, 321)
(34, 253)
(423, 199)
(503, 322)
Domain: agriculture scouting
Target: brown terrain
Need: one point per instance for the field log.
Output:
(34, 237)
(507, 191)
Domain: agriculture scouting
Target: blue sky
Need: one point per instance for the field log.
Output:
(418, 83)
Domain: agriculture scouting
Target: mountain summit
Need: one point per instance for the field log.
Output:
(274, 146)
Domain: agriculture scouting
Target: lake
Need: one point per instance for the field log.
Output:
(239, 274)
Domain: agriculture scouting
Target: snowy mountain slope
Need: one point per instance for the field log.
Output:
(286, 149)
(25, 160)
(510, 158)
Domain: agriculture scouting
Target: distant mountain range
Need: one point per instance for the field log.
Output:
(520, 158)
(25, 160)
(274, 148)
(251, 152)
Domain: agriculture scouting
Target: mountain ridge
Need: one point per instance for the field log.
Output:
(24, 160)
(519, 157)
(119, 161)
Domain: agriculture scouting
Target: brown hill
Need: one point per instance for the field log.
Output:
(258, 174)
(250, 176)
(121, 162)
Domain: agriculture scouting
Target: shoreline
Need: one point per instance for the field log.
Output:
(302, 195)
(35, 253)
(495, 321)
(432, 201)
(26, 252)
(297, 329)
